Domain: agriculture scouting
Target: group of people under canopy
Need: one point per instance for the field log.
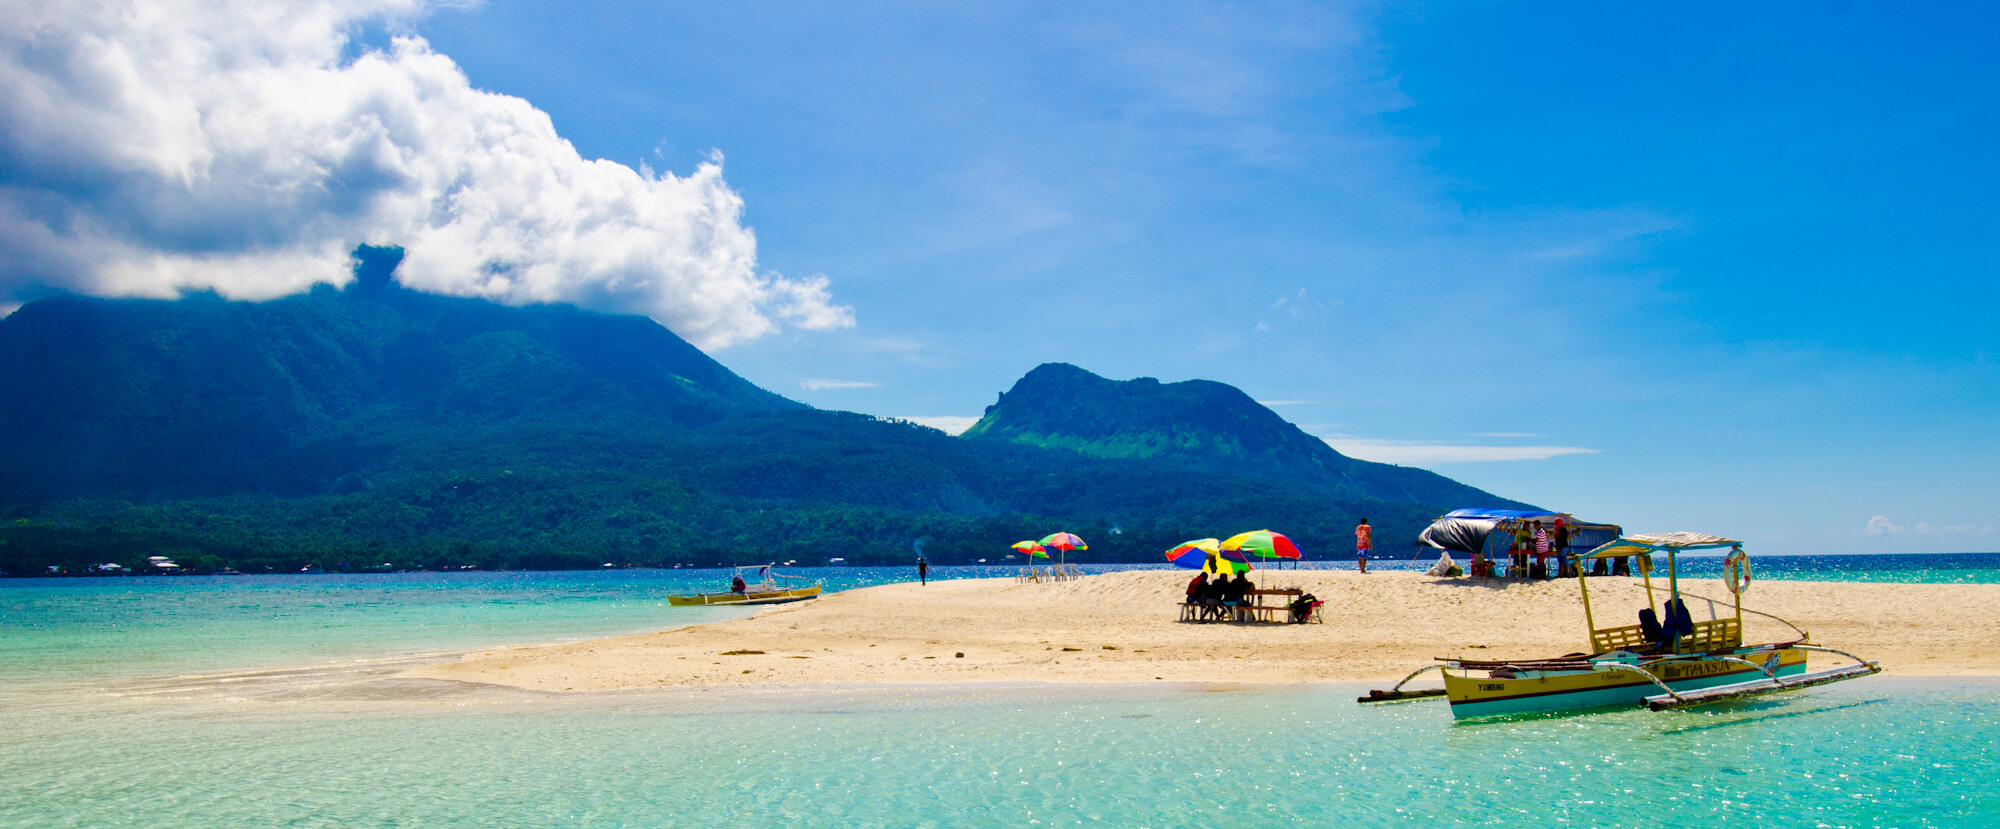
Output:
(1522, 544)
(1216, 596)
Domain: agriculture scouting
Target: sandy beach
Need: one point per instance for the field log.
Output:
(1123, 627)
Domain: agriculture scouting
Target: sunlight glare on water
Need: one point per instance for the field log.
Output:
(1873, 753)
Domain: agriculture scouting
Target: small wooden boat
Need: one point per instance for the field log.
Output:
(1668, 660)
(755, 584)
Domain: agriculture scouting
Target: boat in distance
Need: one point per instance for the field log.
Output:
(1668, 660)
(754, 584)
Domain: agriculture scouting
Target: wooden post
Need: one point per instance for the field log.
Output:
(1589, 622)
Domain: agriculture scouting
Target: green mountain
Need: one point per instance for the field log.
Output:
(376, 426)
(1200, 424)
(138, 398)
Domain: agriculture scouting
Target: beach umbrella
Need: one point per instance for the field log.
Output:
(1263, 544)
(1193, 554)
(1031, 550)
(1065, 542)
(1226, 563)
(1205, 555)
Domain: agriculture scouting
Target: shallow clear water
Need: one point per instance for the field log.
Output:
(1868, 753)
(160, 702)
(86, 627)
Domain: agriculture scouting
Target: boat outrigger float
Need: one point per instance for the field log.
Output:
(1668, 660)
(765, 589)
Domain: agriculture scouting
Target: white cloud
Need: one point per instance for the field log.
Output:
(948, 424)
(1954, 529)
(1879, 525)
(152, 148)
(1424, 452)
(815, 384)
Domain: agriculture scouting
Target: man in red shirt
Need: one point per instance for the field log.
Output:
(1364, 543)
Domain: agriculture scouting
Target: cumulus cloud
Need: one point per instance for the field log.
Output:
(152, 148)
(1880, 525)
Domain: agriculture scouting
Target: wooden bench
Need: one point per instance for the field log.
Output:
(1201, 612)
(1256, 611)
(1707, 636)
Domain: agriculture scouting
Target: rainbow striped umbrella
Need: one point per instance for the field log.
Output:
(1064, 542)
(1263, 544)
(1205, 554)
(1031, 549)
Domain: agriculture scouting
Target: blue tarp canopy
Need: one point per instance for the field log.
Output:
(1476, 512)
(1473, 530)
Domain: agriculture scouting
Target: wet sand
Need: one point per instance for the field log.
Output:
(1123, 627)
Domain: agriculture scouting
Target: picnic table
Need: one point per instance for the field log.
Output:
(1255, 609)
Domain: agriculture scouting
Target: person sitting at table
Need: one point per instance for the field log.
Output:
(1212, 595)
(1235, 594)
(1197, 587)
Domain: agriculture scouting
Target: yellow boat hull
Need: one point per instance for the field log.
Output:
(1473, 694)
(756, 597)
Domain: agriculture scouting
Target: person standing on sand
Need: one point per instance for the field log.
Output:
(1559, 542)
(923, 571)
(1542, 551)
(1364, 543)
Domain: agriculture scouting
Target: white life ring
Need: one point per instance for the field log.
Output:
(1736, 571)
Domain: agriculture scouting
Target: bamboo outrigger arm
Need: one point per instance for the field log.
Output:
(1771, 683)
(1823, 649)
(1397, 692)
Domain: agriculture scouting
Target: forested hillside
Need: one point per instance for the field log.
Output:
(379, 427)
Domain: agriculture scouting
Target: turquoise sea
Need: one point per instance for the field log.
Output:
(271, 701)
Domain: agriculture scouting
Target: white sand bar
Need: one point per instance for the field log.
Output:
(1122, 627)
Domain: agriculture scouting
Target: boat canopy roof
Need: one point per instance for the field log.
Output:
(1639, 545)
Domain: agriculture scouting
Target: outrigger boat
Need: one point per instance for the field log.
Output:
(765, 589)
(1668, 660)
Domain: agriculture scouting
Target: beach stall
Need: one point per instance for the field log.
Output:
(1490, 532)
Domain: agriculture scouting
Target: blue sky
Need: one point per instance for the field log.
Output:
(1717, 267)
